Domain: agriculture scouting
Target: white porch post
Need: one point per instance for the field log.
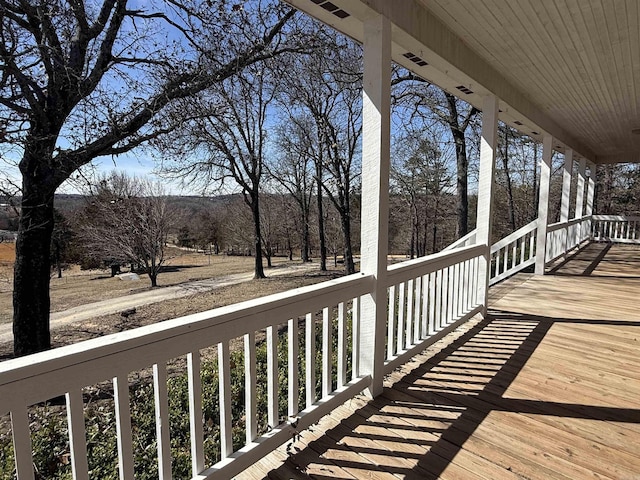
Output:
(376, 144)
(543, 204)
(582, 174)
(566, 185)
(591, 187)
(566, 193)
(484, 219)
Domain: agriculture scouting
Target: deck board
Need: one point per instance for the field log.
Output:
(546, 387)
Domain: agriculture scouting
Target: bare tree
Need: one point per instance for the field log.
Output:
(327, 86)
(86, 78)
(128, 220)
(293, 169)
(456, 114)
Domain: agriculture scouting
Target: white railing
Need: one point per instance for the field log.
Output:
(562, 237)
(513, 253)
(427, 298)
(616, 229)
(27, 381)
(467, 240)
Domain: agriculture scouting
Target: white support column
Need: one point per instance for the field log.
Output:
(543, 204)
(591, 187)
(376, 144)
(582, 168)
(484, 219)
(566, 185)
(566, 194)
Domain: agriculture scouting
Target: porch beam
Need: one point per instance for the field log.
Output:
(376, 144)
(486, 181)
(543, 204)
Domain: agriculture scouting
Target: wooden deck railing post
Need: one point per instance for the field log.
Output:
(376, 144)
(566, 193)
(486, 182)
(543, 204)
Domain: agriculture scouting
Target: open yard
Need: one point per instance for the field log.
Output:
(81, 287)
(78, 287)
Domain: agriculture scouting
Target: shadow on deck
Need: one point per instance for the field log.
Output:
(548, 386)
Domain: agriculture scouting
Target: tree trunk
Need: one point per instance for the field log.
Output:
(323, 243)
(32, 268)
(462, 169)
(349, 265)
(255, 210)
(305, 236)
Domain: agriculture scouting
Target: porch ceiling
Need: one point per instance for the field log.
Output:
(570, 68)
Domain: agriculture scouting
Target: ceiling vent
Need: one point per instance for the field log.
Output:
(464, 89)
(518, 122)
(415, 59)
(535, 133)
(331, 7)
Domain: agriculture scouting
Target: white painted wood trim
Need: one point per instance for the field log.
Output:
(342, 344)
(376, 147)
(543, 205)
(326, 352)
(293, 350)
(77, 434)
(224, 389)
(196, 423)
(486, 182)
(123, 427)
(310, 359)
(22, 442)
(272, 376)
(250, 387)
(161, 403)
(567, 172)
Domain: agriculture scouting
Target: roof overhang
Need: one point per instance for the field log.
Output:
(462, 47)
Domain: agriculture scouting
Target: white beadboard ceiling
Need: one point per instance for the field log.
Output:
(570, 68)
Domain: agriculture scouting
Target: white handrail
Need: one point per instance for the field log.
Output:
(529, 227)
(468, 239)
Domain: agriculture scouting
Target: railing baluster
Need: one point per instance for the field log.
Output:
(355, 340)
(195, 410)
(391, 320)
(161, 403)
(401, 309)
(272, 376)
(342, 345)
(416, 308)
(439, 299)
(77, 435)
(250, 386)
(22, 442)
(310, 359)
(425, 306)
(327, 338)
(293, 349)
(450, 293)
(409, 320)
(224, 378)
(123, 427)
(433, 295)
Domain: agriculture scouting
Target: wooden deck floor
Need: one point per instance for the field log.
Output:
(547, 387)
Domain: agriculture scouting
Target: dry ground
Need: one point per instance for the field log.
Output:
(77, 287)
(80, 287)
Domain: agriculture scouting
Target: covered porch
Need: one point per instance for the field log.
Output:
(537, 381)
(544, 387)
